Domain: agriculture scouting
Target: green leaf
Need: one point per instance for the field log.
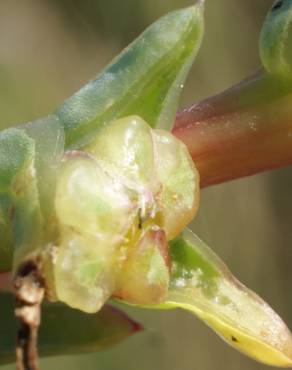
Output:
(65, 331)
(29, 157)
(145, 79)
(21, 218)
(48, 137)
(276, 39)
(16, 152)
(202, 284)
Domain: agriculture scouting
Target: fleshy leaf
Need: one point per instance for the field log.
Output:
(112, 209)
(18, 195)
(65, 331)
(180, 194)
(154, 161)
(94, 211)
(145, 79)
(127, 144)
(145, 277)
(48, 136)
(246, 129)
(202, 284)
(275, 40)
(16, 152)
(29, 157)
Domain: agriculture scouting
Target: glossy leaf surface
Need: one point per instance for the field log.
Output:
(112, 208)
(20, 211)
(65, 331)
(201, 283)
(247, 128)
(48, 136)
(29, 157)
(145, 278)
(145, 79)
(180, 194)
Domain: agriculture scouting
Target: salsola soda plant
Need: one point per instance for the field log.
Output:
(95, 198)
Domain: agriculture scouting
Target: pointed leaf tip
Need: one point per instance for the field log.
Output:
(202, 284)
(84, 333)
(146, 79)
(200, 3)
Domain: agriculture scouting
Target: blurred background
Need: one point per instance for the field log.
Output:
(50, 48)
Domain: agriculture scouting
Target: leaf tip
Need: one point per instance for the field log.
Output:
(199, 6)
(200, 3)
(137, 327)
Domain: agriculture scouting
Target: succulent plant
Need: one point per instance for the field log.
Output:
(96, 197)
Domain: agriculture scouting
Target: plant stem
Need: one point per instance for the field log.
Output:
(29, 293)
(240, 132)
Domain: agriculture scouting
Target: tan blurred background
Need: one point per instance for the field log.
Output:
(49, 48)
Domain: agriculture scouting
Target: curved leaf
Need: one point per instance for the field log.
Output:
(48, 136)
(202, 284)
(65, 331)
(29, 156)
(19, 206)
(145, 79)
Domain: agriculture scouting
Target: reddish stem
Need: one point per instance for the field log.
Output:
(243, 131)
(240, 132)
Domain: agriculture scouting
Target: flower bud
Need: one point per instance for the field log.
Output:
(116, 205)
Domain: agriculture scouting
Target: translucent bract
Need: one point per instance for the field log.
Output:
(117, 203)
